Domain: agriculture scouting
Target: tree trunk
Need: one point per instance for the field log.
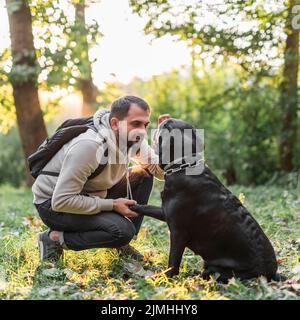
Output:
(230, 175)
(289, 90)
(88, 89)
(23, 77)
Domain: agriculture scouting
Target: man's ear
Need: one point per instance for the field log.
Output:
(114, 123)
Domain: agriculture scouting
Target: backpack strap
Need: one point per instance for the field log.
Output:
(77, 122)
(100, 168)
(68, 130)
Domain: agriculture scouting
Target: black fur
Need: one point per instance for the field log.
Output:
(206, 217)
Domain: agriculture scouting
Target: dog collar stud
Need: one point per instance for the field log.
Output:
(183, 166)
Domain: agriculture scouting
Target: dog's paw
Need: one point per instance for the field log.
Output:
(171, 273)
(138, 208)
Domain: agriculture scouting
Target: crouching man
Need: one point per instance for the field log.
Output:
(83, 212)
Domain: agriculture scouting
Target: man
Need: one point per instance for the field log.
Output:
(84, 213)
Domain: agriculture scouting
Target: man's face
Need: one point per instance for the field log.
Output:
(132, 128)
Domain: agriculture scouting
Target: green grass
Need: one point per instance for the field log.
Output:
(101, 274)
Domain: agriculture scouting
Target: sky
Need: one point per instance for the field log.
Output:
(124, 50)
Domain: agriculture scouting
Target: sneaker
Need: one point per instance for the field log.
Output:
(128, 250)
(49, 250)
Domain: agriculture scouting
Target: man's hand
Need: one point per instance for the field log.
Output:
(120, 205)
(163, 117)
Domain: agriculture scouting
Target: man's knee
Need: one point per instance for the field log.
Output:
(146, 186)
(125, 233)
(144, 177)
(148, 177)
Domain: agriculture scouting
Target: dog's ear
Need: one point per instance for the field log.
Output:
(168, 124)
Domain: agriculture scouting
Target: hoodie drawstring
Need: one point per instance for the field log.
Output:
(129, 192)
(97, 120)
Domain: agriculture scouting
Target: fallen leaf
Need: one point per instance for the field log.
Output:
(148, 254)
(242, 198)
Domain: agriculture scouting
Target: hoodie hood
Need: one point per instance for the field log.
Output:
(101, 118)
(102, 124)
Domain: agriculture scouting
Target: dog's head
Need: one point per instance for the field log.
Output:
(175, 139)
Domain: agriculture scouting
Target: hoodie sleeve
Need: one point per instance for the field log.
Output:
(149, 160)
(79, 163)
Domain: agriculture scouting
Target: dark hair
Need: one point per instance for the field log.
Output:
(120, 107)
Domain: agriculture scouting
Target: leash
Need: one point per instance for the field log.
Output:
(168, 170)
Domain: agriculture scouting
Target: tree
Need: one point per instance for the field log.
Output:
(65, 56)
(85, 82)
(257, 35)
(23, 77)
(289, 93)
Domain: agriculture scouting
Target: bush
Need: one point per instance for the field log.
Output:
(11, 159)
(240, 117)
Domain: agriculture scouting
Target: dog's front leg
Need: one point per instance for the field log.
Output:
(148, 210)
(177, 246)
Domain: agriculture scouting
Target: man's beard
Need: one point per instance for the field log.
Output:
(128, 143)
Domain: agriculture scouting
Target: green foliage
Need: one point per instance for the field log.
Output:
(7, 111)
(250, 31)
(11, 159)
(59, 50)
(239, 116)
(61, 44)
(101, 274)
(5, 57)
(243, 136)
(253, 34)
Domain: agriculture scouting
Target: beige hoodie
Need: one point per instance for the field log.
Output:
(71, 191)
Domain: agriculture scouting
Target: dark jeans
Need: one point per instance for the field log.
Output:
(107, 229)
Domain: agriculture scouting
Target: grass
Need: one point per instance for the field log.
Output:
(101, 274)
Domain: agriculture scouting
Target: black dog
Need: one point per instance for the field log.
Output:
(207, 218)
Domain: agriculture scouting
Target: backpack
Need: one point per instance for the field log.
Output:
(64, 133)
